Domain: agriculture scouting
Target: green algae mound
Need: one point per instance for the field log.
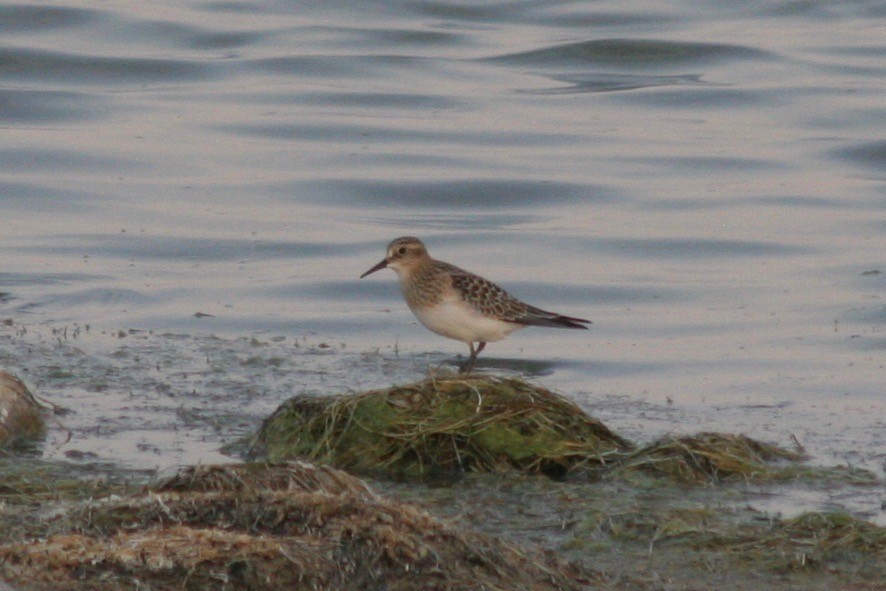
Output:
(440, 427)
(20, 415)
(443, 427)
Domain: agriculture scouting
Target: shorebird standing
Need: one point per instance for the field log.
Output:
(460, 305)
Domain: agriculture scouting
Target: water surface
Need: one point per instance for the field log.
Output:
(201, 183)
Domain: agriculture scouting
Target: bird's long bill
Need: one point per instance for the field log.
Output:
(378, 267)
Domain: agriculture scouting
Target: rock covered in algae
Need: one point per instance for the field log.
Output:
(440, 427)
(20, 416)
(267, 527)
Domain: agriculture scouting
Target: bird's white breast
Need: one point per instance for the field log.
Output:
(455, 319)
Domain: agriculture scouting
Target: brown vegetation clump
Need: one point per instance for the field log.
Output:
(822, 537)
(440, 427)
(706, 457)
(299, 476)
(268, 527)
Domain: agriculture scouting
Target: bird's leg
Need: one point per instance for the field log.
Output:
(469, 364)
(472, 360)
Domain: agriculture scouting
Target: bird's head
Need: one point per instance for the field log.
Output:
(404, 254)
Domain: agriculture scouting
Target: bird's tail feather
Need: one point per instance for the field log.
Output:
(542, 318)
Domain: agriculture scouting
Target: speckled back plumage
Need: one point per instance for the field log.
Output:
(429, 284)
(485, 296)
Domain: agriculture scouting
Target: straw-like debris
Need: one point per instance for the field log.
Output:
(297, 476)
(810, 541)
(706, 457)
(440, 427)
(268, 527)
(738, 539)
(826, 534)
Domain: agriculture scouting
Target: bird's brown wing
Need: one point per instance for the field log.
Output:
(486, 297)
(491, 300)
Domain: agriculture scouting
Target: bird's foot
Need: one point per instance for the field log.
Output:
(468, 366)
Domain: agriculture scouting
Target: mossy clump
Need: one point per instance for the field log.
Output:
(20, 414)
(705, 458)
(657, 527)
(742, 538)
(814, 541)
(441, 427)
(268, 527)
(825, 536)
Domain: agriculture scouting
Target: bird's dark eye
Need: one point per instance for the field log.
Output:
(402, 250)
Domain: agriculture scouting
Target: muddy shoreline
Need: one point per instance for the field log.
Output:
(134, 406)
(617, 535)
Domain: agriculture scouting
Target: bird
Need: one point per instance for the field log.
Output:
(458, 304)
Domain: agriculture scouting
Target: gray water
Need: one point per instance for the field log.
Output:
(189, 191)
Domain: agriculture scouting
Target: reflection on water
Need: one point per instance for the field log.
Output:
(704, 182)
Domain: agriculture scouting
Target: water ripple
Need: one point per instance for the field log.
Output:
(708, 163)
(603, 82)
(577, 16)
(370, 100)
(472, 194)
(34, 64)
(192, 37)
(117, 246)
(461, 221)
(27, 17)
(822, 9)
(398, 37)
(630, 53)
(23, 279)
(484, 12)
(30, 194)
(691, 248)
(237, 7)
(24, 159)
(339, 66)
(639, 248)
(336, 132)
(704, 98)
(101, 296)
(33, 106)
(872, 155)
